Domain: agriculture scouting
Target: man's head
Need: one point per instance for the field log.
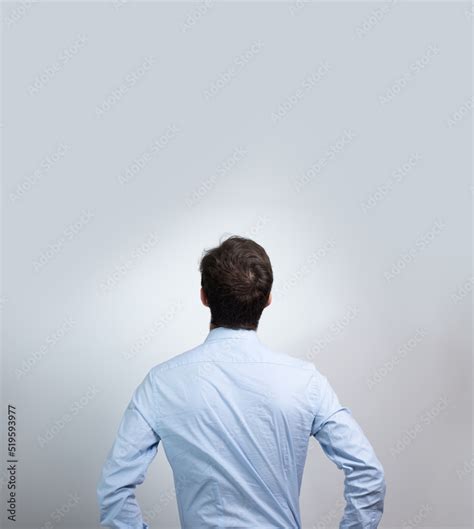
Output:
(236, 281)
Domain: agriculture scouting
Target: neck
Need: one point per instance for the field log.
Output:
(215, 326)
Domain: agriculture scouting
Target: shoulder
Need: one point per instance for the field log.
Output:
(183, 359)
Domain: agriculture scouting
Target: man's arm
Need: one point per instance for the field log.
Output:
(134, 448)
(344, 442)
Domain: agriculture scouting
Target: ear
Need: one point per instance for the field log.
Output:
(204, 298)
(269, 299)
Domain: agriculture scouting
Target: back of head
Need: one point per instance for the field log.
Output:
(236, 278)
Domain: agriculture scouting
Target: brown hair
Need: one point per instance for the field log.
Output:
(237, 278)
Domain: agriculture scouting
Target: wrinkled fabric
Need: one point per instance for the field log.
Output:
(235, 419)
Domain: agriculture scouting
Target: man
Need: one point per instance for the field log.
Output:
(235, 419)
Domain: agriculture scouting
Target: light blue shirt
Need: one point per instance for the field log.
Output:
(235, 419)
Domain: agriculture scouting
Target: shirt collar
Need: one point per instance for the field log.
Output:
(225, 333)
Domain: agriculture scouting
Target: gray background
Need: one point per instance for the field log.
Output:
(360, 191)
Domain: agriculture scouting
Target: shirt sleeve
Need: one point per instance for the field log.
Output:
(344, 443)
(133, 450)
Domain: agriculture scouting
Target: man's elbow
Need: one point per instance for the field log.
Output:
(104, 499)
(101, 491)
(378, 482)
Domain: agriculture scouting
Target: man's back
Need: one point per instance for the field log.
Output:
(235, 420)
